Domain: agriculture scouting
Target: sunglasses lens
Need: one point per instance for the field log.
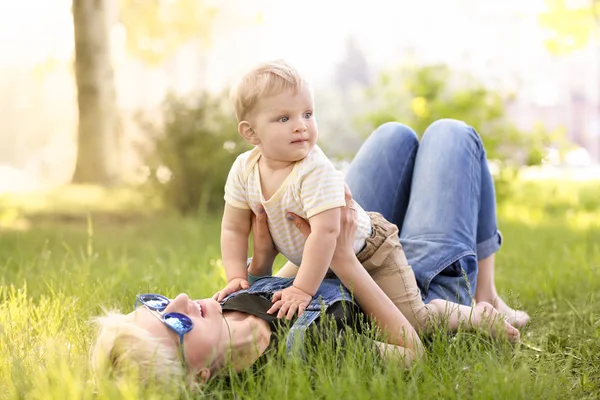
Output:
(155, 301)
(178, 322)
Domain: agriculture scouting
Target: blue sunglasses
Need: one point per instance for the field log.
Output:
(177, 322)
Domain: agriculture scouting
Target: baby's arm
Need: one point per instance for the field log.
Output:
(316, 258)
(235, 230)
(318, 250)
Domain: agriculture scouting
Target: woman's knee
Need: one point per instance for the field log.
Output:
(395, 133)
(451, 130)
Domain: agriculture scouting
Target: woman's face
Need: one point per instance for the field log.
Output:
(203, 343)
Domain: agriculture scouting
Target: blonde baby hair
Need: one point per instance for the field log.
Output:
(267, 79)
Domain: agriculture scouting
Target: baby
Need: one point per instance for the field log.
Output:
(287, 172)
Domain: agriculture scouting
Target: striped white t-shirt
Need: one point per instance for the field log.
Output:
(313, 186)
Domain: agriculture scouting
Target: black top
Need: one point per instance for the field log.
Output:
(344, 314)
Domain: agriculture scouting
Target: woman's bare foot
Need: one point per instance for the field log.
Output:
(486, 291)
(488, 317)
(516, 318)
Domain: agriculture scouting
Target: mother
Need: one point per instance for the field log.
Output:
(174, 341)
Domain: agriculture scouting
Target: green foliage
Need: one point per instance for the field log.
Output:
(572, 24)
(191, 152)
(418, 96)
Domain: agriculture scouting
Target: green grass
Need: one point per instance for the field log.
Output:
(56, 274)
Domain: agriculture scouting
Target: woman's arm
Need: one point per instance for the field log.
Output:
(393, 353)
(380, 309)
(264, 252)
(289, 270)
(369, 296)
(263, 249)
(402, 339)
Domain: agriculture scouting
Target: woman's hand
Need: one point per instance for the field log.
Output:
(263, 249)
(344, 249)
(348, 226)
(373, 301)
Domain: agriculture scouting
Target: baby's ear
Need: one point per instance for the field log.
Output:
(248, 133)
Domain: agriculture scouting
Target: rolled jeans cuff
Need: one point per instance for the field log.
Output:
(489, 246)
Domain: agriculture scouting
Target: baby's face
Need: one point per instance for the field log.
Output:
(286, 125)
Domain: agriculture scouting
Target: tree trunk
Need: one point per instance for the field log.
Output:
(98, 157)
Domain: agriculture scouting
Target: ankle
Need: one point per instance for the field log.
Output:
(488, 296)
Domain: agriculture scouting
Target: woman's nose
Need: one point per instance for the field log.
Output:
(179, 303)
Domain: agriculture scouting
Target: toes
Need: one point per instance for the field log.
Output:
(515, 338)
(522, 319)
(518, 318)
(513, 333)
(497, 321)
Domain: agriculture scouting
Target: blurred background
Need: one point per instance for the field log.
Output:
(116, 137)
(102, 94)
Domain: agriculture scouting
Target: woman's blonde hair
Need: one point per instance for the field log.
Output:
(266, 79)
(123, 348)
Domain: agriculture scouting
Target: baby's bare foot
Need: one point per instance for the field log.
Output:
(517, 318)
(486, 316)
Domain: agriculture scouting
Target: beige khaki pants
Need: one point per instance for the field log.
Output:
(385, 261)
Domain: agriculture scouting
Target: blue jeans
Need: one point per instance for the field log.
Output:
(441, 196)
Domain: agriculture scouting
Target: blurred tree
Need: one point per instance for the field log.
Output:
(98, 158)
(418, 96)
(155, 30)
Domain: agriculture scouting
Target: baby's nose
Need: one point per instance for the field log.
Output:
(301, 127)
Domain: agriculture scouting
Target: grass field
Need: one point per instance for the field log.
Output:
(58, 272)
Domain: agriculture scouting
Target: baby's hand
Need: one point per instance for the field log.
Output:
(288, 301)
(233, 286)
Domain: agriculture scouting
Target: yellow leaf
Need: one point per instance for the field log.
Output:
(571, 24)
(420, 107)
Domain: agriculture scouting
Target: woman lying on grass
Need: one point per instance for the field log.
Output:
(238, 331)
(166, 341)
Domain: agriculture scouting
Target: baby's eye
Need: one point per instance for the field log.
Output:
(283, 119)
(307, 115)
